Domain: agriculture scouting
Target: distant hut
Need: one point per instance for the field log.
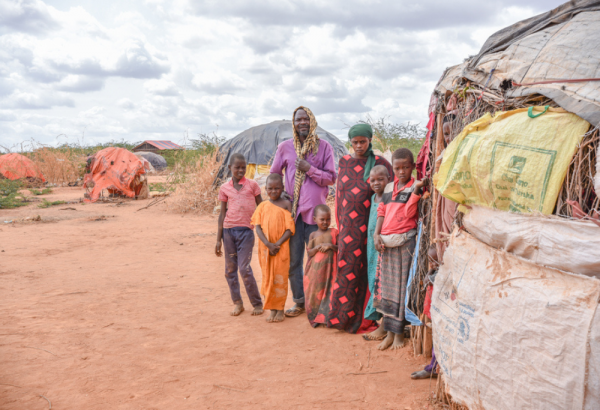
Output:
(157, 146)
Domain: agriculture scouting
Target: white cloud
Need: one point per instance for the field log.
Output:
(151, 69)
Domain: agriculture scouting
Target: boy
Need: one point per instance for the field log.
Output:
(321, 267)
(274, 227)
(239, 197)
(395, 239)
(378, 179)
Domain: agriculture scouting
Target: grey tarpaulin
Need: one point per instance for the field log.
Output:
(259, 144)
(559, 44)
(157, 161)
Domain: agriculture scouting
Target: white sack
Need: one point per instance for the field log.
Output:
(592, 390)
(560, 243)
(510, 334)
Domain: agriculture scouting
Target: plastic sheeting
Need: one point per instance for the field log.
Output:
(510, 334)
(259, 144)
(16, 166)
(559, 44)
(569, 245)
(114, 169)
(158, 162)
(515, 161)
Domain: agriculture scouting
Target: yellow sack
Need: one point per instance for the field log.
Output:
(253, 169)
(515, 161)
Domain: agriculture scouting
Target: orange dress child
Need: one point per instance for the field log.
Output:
(274, 221)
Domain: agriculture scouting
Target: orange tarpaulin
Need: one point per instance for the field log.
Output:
(17, 166)
(114, 169)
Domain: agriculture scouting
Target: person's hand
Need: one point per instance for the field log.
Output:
(324, 247)
(420, 184)
(273, 249)
(218, 251)
(302, 165)
(378, 242)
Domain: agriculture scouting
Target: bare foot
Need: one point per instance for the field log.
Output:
(238, 308)
(271, 317)
(387, 342)
(398, 341)
(279, 316)
(376, 334)
(258, 311)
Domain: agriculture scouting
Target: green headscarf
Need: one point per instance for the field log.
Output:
(364, 130)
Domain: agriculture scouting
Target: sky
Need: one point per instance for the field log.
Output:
(90, 72)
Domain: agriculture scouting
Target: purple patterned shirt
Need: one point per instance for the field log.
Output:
(320, 175)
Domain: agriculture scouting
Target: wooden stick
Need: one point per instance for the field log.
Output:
(49, 402)
(361, 374)
(31, 347)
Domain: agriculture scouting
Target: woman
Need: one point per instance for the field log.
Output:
(353, 204)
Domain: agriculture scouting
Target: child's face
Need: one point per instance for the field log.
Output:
(447, 129)
(403, 169)
(238, 169)
(274, 189)
(378, 181)
(322, 219)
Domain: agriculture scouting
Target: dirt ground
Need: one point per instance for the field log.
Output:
(107, 307)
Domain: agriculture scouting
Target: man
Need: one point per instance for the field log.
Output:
(309, 169)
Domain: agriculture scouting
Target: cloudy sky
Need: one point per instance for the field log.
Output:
(93, 71)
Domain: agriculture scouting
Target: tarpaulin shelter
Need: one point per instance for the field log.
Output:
(16, 166)
(259, 144)
(515, 311)
(147, 165)
(117, 170)
(158, 162)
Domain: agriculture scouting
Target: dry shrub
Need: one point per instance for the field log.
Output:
(60, 167)
(193, 185)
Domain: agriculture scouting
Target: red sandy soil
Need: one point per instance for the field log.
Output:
(131, 311)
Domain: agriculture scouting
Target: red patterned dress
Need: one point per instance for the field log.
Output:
(350, 289)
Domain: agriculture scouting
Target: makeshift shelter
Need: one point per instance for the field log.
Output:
(147, 165)
(16, 166)
(514, 308)
(117, 170)
(158, 162)
(156, 146)
(259, 144)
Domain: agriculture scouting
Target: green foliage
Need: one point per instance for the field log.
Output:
(9, 194)
(44, 191)
(48, 204)
(390, 136)
(203, 146)
(160, 187)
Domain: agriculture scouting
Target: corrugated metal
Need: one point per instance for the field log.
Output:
(161, 145)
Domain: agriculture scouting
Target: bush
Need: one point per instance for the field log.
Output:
(48, 204)
(192, 179)
(391, 136)
(44, 191)
(9, 194)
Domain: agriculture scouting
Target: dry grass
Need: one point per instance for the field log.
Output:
(192, 185)
(59, 167)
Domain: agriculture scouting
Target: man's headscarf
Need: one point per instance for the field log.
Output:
(364, 130)
(311, 144)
